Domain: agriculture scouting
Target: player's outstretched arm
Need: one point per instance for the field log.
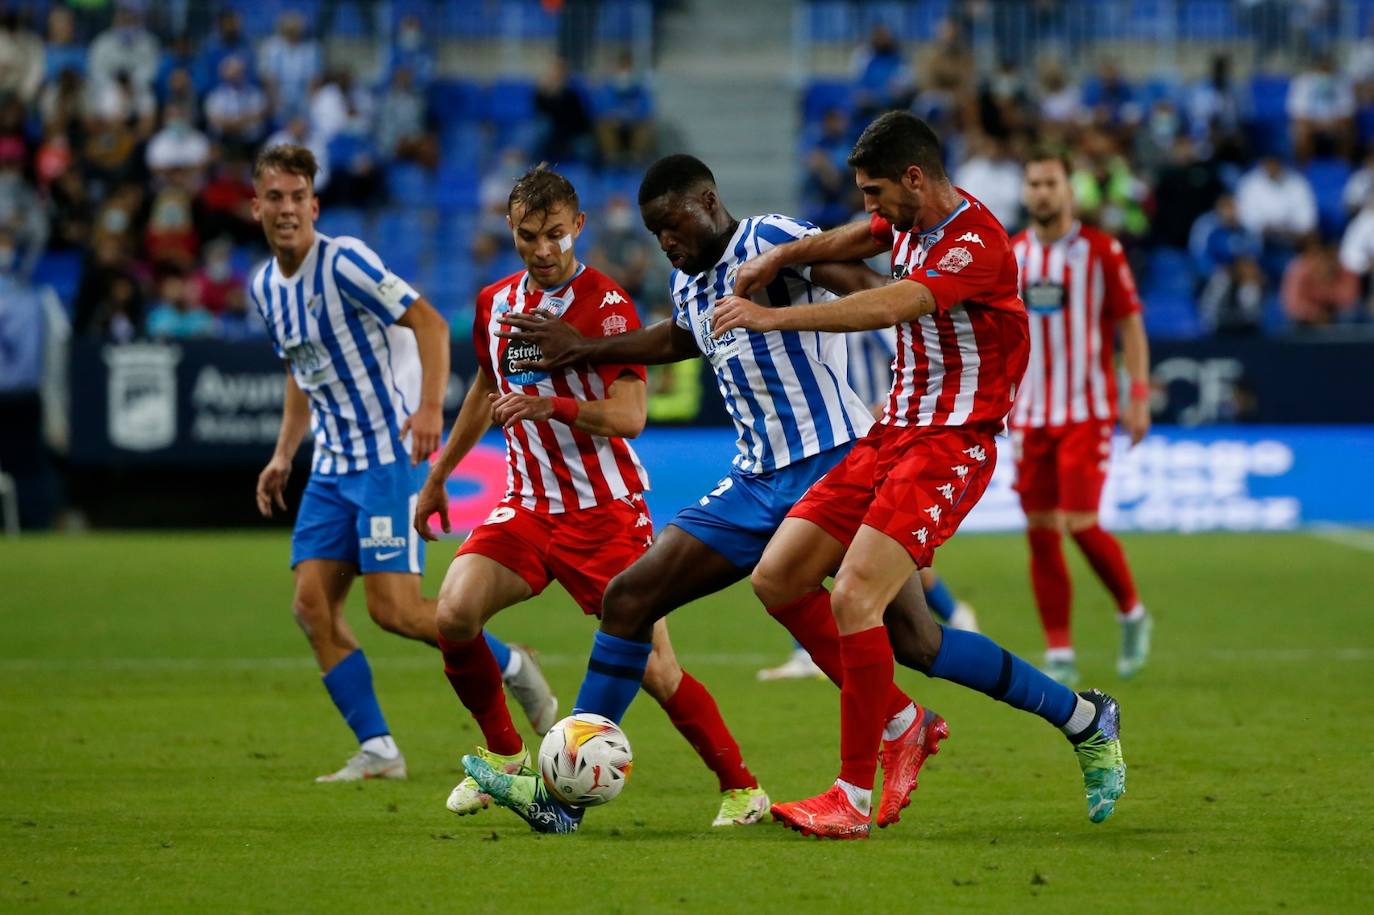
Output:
(847, 277)
(851, 242)
(295, 422)
(474, 418)
(1135, 350)
(426, 424)
(621, 413)
(886, 306)
(562, 344)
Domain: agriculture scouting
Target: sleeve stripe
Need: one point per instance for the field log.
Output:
(355, 293)
(356, 260)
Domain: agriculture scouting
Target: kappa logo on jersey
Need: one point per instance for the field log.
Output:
(934, 512)
(960, 471)
(955, 259)
(947, 491)
(379, 526)
(921, 535)
(977, 453)
(972, 237)
(612, 298)
(614, 324)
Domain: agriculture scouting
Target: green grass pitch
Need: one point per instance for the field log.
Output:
(161, 724)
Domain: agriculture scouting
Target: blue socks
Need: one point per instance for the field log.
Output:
(940, 600)
(978, 662)
(499, 649)
(350, 686)
(614, 674)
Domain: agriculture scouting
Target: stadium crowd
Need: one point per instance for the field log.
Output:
(1247, 204)
(126, 150)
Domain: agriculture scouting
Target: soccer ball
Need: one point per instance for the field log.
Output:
(585, 759)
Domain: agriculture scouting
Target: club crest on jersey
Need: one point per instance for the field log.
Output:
(613, 297)
(724, 347)
(614, 324)
(972, 237)
(554, 306)
(955, 259)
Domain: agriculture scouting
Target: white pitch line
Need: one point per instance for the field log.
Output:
(197, 665)
(1353, 537)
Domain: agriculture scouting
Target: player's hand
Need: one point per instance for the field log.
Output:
(732, 312)
(557, 340)
(509, 409)
(272, 485)
(433, 499)
(425, 426)
(757, 272)
(1136, 420)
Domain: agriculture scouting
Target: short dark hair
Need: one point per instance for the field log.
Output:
(542, 189)
(894, 142)
(674, 175)
(288, 158)
(1044, 152)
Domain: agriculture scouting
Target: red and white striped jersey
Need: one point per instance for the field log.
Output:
(1075, 290)
(959, 365)
(551, 466)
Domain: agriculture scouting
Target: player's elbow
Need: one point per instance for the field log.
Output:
(631, 424)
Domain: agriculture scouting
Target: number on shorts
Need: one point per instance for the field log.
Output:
(720, 489)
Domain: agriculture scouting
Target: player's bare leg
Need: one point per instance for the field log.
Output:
(695, 714)
(321, 587)
(676, 570)
(1108, 560)
(475, 589)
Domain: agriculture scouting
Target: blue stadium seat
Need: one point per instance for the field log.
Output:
(455, 100)
(343, 221)
(62, 271)
(1268, 124)
(1328, 178)
(1208, 20)
(823, 95)
(508, 101)
(408, 184)
(830, 22)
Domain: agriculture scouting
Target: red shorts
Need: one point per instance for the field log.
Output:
(1062, 467)
(581, 550)
(913, 483)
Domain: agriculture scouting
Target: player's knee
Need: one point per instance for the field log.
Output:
(314, 615)
(388, 613)
(855, 602)
(1078, 522)
(627, 608)
(914, 647)
(1044, 521)
(456, 621)
(772, 585)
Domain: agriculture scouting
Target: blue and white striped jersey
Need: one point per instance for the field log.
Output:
(786, 392)
(870, 363)
(334, 320)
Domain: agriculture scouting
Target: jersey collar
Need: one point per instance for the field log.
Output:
(963, 205)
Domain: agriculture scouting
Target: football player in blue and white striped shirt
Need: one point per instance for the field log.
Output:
(367, 364)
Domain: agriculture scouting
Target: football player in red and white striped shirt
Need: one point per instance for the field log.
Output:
(1079, 292)
(574, 510)
(904, 488)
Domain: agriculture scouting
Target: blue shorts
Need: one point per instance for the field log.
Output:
(739, 516)
(362, 517)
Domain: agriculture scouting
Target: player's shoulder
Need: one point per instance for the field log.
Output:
(488, 293)
(779, 228)
(591, 285)
(1101, 242)
(979, 225)
(334, 244)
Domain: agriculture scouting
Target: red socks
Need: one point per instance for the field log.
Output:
(1104, 554)
(471, 670)
(811, 622)
(1050, 582)
(868, 664)
(695, 714)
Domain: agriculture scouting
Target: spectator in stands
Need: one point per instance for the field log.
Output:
(108, 302)
(1316, 289)
(70, 203)
(1107, 191)
(181, 92)
(1214, 105)
(993, 175)
(122, 103)
(1277, 204)
(23, 217)
(21, 58)
(1226, 255)
(828, 187)
(289, 63)
(1187, 187)
(14, 124)
(175, 313)
(125, 48)
(564, 130)
(410, 50)
(61, 104)
(1151, 142)
(1321, 111)
(337, 104)
(880, 74)
(1110, 99)
(179, 66)
(178, 146)
(226, 202)
(624, 116)
(1060, 100)
(297, 131)
(1360, 185)
(236, 110)
(356, 178)
(215, 280)
(622, 250)
(62, 51)
(170, 240)
(1357, 246)
(1004, 102)
(402, 130)
(946, 75)
(227, 41)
